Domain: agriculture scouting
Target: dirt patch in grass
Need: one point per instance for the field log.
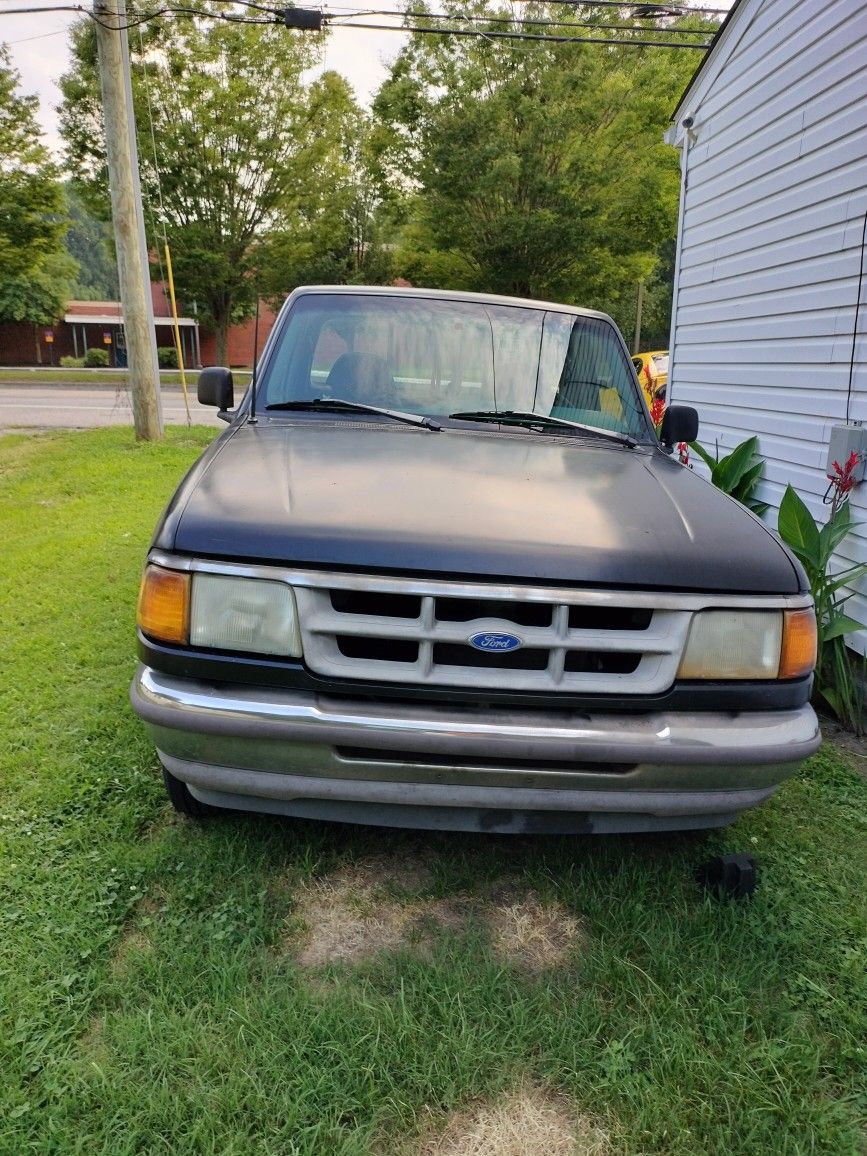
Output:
(132, 943)
(530, 934)
(167, 819)
(526, 1122)
(853, 747)
(374, 906)
(343, 923)
(92, 1041)
(135, 940)
(406, 873)
(362, 909)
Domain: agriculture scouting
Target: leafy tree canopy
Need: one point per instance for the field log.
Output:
(32, 217)
(39, 294)
(333, 235)
(239, 141)
(530, 168)
(90, 242)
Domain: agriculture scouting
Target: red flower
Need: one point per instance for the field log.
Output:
(683, 453)
(657, 410)
(842, 479)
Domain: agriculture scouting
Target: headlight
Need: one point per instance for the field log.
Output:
(218, 611)
(756, 644)
(244, 614)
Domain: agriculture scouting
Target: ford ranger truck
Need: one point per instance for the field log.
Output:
(439, 571)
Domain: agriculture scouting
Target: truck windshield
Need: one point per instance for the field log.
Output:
(447, 357)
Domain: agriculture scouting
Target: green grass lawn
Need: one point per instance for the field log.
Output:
(152, 998)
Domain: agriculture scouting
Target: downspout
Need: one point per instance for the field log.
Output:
(686, 125)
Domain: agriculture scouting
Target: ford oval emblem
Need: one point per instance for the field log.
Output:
(494, 642)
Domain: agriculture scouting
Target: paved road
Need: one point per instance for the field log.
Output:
(82, 406)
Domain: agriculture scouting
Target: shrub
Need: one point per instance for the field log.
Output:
(167, 357)
(72, 363)
(96, 358)
(814, 546)
(738, 473)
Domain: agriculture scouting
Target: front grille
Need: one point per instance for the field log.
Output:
(412, 632)
(601, 662)
(609, 617)
(377, 649)
(468, 609)
(453, 654)
(375, 603)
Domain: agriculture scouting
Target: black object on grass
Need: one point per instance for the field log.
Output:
(732, 875)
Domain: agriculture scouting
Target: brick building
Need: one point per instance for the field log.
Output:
(89, 324)
(239, 351)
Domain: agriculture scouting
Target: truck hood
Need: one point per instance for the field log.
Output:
(520, 506)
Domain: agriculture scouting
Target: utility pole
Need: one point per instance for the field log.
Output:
(127, 217)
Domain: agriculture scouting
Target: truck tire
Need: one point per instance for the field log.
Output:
(183, 801)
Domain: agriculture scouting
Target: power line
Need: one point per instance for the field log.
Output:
(53, 8)
(168, 10)
(172, 10)
(153, 216)
(660, 9)
(524, 36)
(280, 15)
(39, 36)
(517, 21)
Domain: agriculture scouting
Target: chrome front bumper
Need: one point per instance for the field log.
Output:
(267, 749)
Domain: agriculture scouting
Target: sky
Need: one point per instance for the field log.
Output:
(38, 44)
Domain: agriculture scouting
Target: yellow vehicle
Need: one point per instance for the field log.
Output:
(652, 370)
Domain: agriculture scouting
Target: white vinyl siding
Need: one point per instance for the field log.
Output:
(770, 249)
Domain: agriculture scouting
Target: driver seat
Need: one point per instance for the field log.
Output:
(362, 377)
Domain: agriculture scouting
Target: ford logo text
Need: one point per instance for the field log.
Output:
(498, 643)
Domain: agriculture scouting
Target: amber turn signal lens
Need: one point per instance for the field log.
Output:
(164, 605)
(798, 654)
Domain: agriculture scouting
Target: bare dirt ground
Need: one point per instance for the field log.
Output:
(529, 1121)
(853, 746)
(374, 906)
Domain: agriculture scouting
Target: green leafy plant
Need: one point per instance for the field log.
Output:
(167, 357)
(738, 473)
(96, 358)
(72, 363)
(814, 547)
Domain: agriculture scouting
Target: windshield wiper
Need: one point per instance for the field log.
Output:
(524, 418)
(324, 404)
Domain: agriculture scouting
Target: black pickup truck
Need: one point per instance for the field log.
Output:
(440, 572)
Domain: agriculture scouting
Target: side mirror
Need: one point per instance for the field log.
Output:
(216, 387)
(679, 424)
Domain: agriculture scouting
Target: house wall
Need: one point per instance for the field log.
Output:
(773, 211)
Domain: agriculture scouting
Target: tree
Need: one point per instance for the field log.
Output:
(537, 169)
(334, 236)
(229, 146)
(32, 219)
(39, 294)
(89, 241)
(36, 274)
(656, 321)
